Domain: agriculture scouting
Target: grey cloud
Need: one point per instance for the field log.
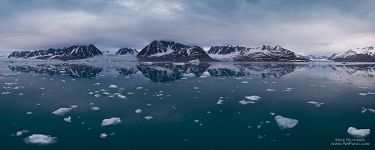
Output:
(319, 26)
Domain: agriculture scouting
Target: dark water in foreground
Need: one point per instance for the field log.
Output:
(192, 106)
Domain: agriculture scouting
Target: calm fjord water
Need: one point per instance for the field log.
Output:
(206, 106)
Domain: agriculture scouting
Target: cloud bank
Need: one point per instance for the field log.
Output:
(305, 26)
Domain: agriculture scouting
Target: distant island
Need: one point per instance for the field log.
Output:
(170, 51)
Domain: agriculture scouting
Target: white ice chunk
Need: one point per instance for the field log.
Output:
(62, 111)
(285, 123)
(68, 119)
(253, 97)
(358, 133)
(138, 111)
(270, 90)
(220, 102)
(317, 104)
(103, 135)
(245, 102)
(113, 86)
(111, 121)
(148, 117)
(40, 139)
(20, 133)
(95, 108)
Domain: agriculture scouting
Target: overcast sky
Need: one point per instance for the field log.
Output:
(305, 26)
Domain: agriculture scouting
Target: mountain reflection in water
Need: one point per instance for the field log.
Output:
(166, 72)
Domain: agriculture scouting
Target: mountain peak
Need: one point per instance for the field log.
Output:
(171, 51)
(67, 53)
(126, 51)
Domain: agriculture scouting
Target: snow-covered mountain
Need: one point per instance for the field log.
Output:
(67, 53)
(263, 53)
(127, 51)
(172, 51)
(366, 54)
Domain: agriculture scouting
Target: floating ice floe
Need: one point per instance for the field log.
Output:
(138, 111)
(363, 110)
(272, 114)
(367, 109)
(20, 133)
(220, 102)
(285, 123)
(270, 90)
(358, 133)
(139, 88)
(253, 97)
(103, 135)
(371, 93)
(68, 119)
(244, 82)
(40, 139)
(362, 94)
(317, 104)
(121, 96)
(113, 86)
(62, 111)
(288, 89)
(29, 113)
(111, 121)
(148, 117)
(245, 102)
(95, 108)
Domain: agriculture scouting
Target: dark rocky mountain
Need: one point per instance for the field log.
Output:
(67, 53)
(366, 54)
(172, 51)
(126, 51)
(263, 53)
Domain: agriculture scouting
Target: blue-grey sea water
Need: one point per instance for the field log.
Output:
(175, 106)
